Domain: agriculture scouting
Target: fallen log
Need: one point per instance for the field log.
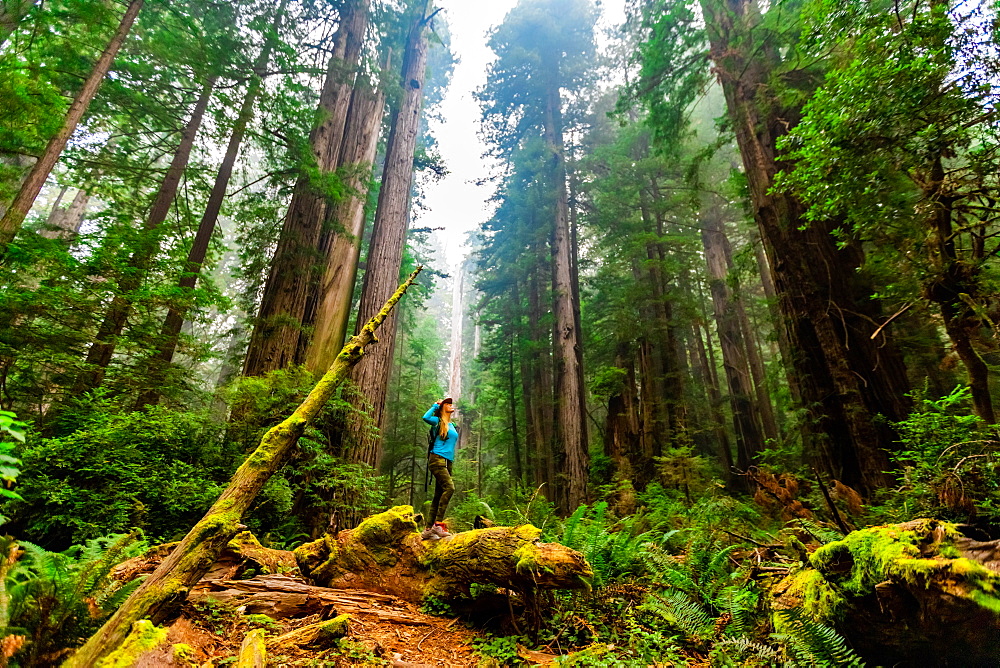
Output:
(918, 593)
(160, 593)
(385, 554)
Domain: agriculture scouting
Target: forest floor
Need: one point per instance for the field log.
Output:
(384, 630)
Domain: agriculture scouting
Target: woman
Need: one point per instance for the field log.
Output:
(441, 457)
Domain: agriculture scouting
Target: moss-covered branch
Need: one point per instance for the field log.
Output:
(191, 559)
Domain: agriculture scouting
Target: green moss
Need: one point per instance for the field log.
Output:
(263, 622)
(908, 553)
(144, 637)
(184, 655)
(338, 627)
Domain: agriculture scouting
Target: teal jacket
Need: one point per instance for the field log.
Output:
(445, 448)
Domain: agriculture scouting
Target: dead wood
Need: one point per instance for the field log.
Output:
(917, 593)
(385, 553)
(160, 594)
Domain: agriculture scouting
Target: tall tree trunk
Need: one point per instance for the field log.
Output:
(329, 306)
(18, 210)
(103, 348)
(385, 255)
(746, 424)
(174, 320)
(170, 583)
(955, 289)
(571, 425)
(541, 395)
(274, 343)
(846, 378)
(512, 402)
(621, 432)
(715, 405)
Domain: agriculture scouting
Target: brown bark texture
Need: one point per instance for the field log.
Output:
(385, 255)
(570, 422)
(170, 583)
(329, 305)
(746, 420)
(106, 340)
(18, 210)
(845, 377)
(275, 338)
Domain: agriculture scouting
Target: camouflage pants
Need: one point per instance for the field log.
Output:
(440, 468)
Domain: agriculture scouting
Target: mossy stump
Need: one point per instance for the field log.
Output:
(385, 554)
(918, 592)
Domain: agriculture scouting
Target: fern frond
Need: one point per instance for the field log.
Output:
(679, 611)
(812, 643)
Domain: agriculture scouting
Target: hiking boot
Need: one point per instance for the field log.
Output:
(429, 534)
(440, 530)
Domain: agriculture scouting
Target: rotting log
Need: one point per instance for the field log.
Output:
(385, 554)
(322, 634)
(253, 651)
(917, 593)
(160, 593)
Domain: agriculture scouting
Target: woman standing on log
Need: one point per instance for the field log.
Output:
(440, 460)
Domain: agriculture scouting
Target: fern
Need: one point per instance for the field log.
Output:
(740, 603)
(684, 615)
(743, 652)
(55, 598)
(811, 643)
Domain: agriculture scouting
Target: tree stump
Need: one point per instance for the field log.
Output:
(917, 592)
(385, 554)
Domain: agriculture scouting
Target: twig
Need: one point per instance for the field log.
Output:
(425, 638)
(829, 502)
(891, 318)
(751, 540)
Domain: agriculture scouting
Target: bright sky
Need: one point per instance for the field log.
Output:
(456, 203)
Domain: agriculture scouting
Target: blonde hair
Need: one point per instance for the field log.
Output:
(444, 419)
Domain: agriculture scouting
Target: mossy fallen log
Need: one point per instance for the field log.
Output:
(160, 593)
(385, 554)
(917, 592)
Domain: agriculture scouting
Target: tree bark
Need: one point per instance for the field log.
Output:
(195, 554)
(275, 339)
(103, 348)
(18, 210)
(174, 320)
(846, 378)
(570, 423)
(385, 255)
(746, 424)
(329, 306)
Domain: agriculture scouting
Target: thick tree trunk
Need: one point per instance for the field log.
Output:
(103, 348)
(194, 555)
(329, 307)
(174, 320)
(18, 210)
(275, 339)
(571, 427)
(846, 378)
(621, 430)
(385, 255)
(746, 424)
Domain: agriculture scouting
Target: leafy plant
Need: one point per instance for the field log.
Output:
(811, 643)
(56, 599)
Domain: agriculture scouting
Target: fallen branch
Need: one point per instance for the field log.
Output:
(168, 586)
